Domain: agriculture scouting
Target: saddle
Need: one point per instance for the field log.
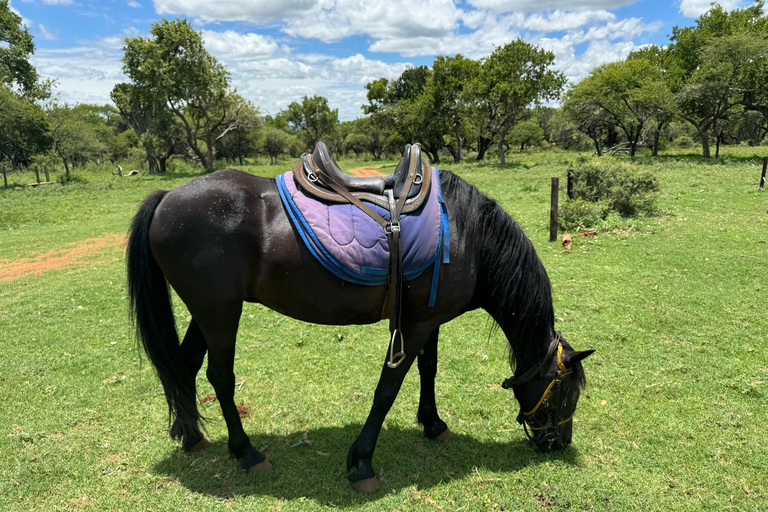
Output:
(402, 192)
(371, 189)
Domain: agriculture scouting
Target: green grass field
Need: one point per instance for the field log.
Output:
(673, 418)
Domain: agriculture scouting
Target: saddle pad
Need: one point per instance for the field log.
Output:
(354, 247)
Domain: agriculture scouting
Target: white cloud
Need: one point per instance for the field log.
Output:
(57, 2)
(695, 8)
(85, 74)
(500, 6)
(564, 20)
(333, 20)
(261, 11)
(45, 33)
(233, 45)
(134, 4)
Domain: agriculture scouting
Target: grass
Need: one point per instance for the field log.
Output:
(673, 417)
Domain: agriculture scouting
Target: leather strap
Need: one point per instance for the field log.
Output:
(392, 228)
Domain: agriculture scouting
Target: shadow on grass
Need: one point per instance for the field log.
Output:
(315, 470)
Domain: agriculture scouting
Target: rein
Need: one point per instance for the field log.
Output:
(525, 417)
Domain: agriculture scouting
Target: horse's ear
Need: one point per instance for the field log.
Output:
(578, 355)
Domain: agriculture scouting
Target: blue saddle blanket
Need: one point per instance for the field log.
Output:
(355, 248)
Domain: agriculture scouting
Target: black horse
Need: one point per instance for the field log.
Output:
(225, 238)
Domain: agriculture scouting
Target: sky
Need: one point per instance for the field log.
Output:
(278, 51)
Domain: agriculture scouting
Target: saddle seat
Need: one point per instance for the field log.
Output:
(372, 189)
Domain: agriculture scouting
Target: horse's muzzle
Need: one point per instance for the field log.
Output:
(553, 438)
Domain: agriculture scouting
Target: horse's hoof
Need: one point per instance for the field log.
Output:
(262, 468)
(366, 486)
(445, 436)
(200, 446)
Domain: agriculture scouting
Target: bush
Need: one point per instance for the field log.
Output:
(605, 186)
(578, 214)
(71, 179)
(684, 142)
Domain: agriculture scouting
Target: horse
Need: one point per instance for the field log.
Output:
(222, 239)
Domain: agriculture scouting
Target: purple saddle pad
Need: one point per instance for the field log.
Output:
(354, 247)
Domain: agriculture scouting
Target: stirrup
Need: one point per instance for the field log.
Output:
(395, 359)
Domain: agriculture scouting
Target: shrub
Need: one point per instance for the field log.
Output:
(603, 186)
(578, 214)
(684, 142)
(71, 179)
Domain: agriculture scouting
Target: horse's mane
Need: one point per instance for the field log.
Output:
(514, 286)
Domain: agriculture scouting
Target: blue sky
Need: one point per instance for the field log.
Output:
(281, 50)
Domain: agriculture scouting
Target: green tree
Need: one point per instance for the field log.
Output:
(312, 118)
(274, 142)
(450, 76)
(526, 133)
(509, 80)
(173, 68)
(16, 46)
(158, 130)
(243, 139)
(631, 92)
(587, 117)
(717, 64)
(73, 137)
(719, 84)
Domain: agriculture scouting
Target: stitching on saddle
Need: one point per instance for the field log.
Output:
(379, 233)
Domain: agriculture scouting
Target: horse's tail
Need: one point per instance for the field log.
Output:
(152, 316)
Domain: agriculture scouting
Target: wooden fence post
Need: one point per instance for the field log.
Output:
(761, 185)
(569, 184)
(553, 210)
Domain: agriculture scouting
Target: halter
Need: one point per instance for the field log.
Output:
(551, 419)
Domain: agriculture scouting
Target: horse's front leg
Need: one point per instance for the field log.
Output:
(363, 478)
(359, 457)
(434, 427)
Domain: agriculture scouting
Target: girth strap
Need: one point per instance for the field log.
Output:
(392, 229)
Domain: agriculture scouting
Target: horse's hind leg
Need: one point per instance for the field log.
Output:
(193, 351)
(220, 330)
(434, 427)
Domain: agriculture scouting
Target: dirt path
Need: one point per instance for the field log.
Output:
(56, 259)
(368, 171)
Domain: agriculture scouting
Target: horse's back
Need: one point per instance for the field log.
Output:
(226, 238)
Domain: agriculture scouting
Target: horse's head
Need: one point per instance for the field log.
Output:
(548, 393)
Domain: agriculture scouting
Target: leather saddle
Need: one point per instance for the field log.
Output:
(402, 192)
(372, 189)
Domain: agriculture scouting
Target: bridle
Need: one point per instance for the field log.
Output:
(551, 420)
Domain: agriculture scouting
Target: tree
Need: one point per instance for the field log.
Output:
(717, 64)
(509, 80)
(450, 76)
(158, 130)
(72, 136)
(631, 92)
(22, 125)
(242, 140)
(16, 46)
(588, 117)
(312, 118)
(173, 68)
(526, 133)
(274, 142)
